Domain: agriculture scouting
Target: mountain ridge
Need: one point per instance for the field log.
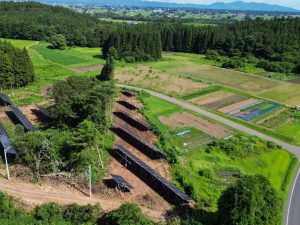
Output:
(237, 5)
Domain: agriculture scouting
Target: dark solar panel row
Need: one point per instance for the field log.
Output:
(142, 144)
(22, 119)
(128, 93)
(121, 182)
(152, 178)
(128, 105)
(5, 141)
(5, 99)
(139, 124)
(44, 111)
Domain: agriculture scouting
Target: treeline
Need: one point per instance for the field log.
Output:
(35, 21)
(134, 43)
(53, 213)
(16, 68)
(275, 42)
(78, 134)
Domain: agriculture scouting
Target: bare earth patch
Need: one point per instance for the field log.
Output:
(180, 120)
(215, 96)
(87, 68)
(237, 105)
(157, 80)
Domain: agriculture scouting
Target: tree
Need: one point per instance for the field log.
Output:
(49, 213)
(77, 214)
(107, 72)
(127, 214)
(251, 200)
(58, 41)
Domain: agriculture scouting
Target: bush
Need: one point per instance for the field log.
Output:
(127, 214)
(233, 63)
(252, 200)
(49, 213)
(7, 206)
(208, 173)
(76, 214)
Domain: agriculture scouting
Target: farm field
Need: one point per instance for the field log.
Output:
(191, 66)
(277, 165)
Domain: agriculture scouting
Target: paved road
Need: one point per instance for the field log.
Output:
(293, 206)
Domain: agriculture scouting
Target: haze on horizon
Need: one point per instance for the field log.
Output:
(288, 3)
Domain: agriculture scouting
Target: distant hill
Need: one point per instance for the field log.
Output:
(238, 5)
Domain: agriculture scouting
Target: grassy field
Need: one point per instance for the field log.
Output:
(278, 165)
(192, 66)
(51, 66)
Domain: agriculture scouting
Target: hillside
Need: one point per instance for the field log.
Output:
(238, 5)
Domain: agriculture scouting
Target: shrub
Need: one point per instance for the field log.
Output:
(49, 213)
(208, 173)
(76, 214)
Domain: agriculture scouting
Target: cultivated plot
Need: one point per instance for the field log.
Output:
(185, 119)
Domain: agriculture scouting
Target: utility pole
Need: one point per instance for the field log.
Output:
(90, 180)
(6, 163)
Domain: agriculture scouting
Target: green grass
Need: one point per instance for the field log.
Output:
(51, 66)
(71, 56)
(278, 165)
(201, 92)
(20, 43)
(291, 130)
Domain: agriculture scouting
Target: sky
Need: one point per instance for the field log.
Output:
(289, 3)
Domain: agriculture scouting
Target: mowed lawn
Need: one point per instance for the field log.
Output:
(191, 66)
(278, 166)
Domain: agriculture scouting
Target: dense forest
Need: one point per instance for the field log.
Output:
(16, 68)
(272, 44)
(78, 134)
(275, 42)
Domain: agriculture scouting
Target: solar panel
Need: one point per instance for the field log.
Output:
(141, 125)
(159, 153)
(151, 177)
(44, 111)
(121, 182)
(128, 105)
(22, 119)
(5, 141)
(128, 93)
(5, 99)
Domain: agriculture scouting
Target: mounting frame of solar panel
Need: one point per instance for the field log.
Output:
(121, 182)
(5, 98)
(5, 141)
(152, 178)
(143, 141)
(128, 105)
(22, 119)
(144, 124)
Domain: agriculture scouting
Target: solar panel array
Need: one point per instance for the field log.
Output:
(5, 141)
(152, 178)
(121, 182)
(22, 119)
(141, 125)
(5, 99)
(149, 148)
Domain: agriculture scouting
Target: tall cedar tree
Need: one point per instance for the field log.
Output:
(16, 68)
(107, 73)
